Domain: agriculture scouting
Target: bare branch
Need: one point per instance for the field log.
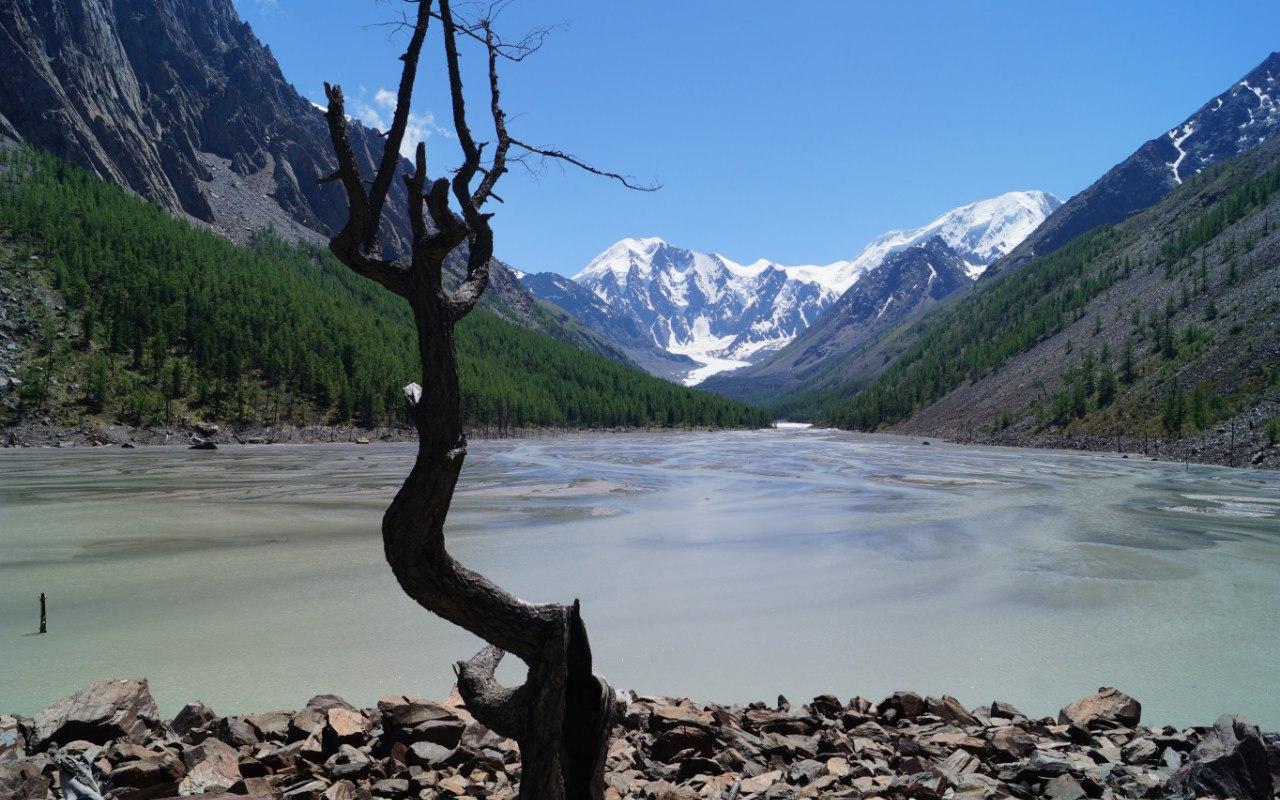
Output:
(481, 235)
(560, 155)
(400, 120)
(346, 244)
(499, 166)
(514, 51)
(496, 707)
(414, 183)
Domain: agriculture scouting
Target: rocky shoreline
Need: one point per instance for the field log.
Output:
(1250, 452)
(109, 741)
(40, 435)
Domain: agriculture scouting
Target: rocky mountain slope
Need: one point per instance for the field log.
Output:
(906, 284)
(597, 316)
(1229, 124)
(658, 300)
(179, 101)
(1160, 335)
(1244, 115)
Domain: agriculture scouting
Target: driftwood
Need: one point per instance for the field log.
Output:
(562, 715)
(75, 777)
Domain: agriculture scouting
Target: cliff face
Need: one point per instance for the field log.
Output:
(161, 96)
(180, 102)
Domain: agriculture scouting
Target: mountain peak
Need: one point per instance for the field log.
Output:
(723, 314)
(979, 232)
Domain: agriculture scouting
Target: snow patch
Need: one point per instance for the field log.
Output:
(1177, 140)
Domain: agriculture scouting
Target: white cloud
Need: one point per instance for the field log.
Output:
(377, 114)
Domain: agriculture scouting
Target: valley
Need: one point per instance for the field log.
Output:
(316, 382)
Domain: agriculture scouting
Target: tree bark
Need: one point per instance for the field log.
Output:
(562, 715)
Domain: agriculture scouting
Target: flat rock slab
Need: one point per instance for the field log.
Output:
(99, 713)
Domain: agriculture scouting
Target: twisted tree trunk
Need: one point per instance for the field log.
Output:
(562, 715)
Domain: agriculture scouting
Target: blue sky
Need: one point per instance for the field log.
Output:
(794, 135)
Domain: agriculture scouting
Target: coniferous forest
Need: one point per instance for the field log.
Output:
(1175, 358)
(160, 319)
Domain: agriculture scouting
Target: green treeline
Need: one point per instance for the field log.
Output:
(163, 318)
(968, 339)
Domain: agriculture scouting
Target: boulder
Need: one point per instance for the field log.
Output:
(828, 705)
(205, 428)
(1064, 787)
(273, 725)
(152, 769)
(999, 708)
(306, 722)
(324, 702)
(237, 732)
(1107, 707)
(948, 709)
(13, 742)
(428, 754)
(24, 780)
(192, 717)
(342, 790)
(344, 726)
(681, 738)
(348, 762)
(409, 718)
(904, 705)
(105, 710)
(1231, 761)
(1011, 744)
(760, 782)
(212, 766)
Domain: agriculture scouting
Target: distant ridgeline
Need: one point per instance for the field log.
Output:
(1162, 325)
(162, 319)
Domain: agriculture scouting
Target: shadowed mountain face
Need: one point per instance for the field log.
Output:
(1244, 115)
(906, 284)
(175, 99)
(179, 101)
(619, 329)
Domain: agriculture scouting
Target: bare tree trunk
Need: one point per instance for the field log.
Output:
(562, 715)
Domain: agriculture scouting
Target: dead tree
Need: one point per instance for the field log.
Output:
(562, 715)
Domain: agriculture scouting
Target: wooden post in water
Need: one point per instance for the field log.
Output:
(44, 627)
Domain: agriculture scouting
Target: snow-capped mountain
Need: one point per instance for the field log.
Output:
(1244, 115)
(723, 315)
(979, 233)
(705, 306)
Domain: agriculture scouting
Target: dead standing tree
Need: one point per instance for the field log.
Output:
(562, 715)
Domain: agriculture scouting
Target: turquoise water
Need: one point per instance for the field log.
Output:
(723, 566)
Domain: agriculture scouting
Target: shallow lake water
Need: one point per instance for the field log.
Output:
(728, 566)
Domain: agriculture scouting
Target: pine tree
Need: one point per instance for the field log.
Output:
(1174, 408)
(1106, 386)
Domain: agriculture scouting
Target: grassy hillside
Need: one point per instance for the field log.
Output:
(1163, 326)
(136, 316)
